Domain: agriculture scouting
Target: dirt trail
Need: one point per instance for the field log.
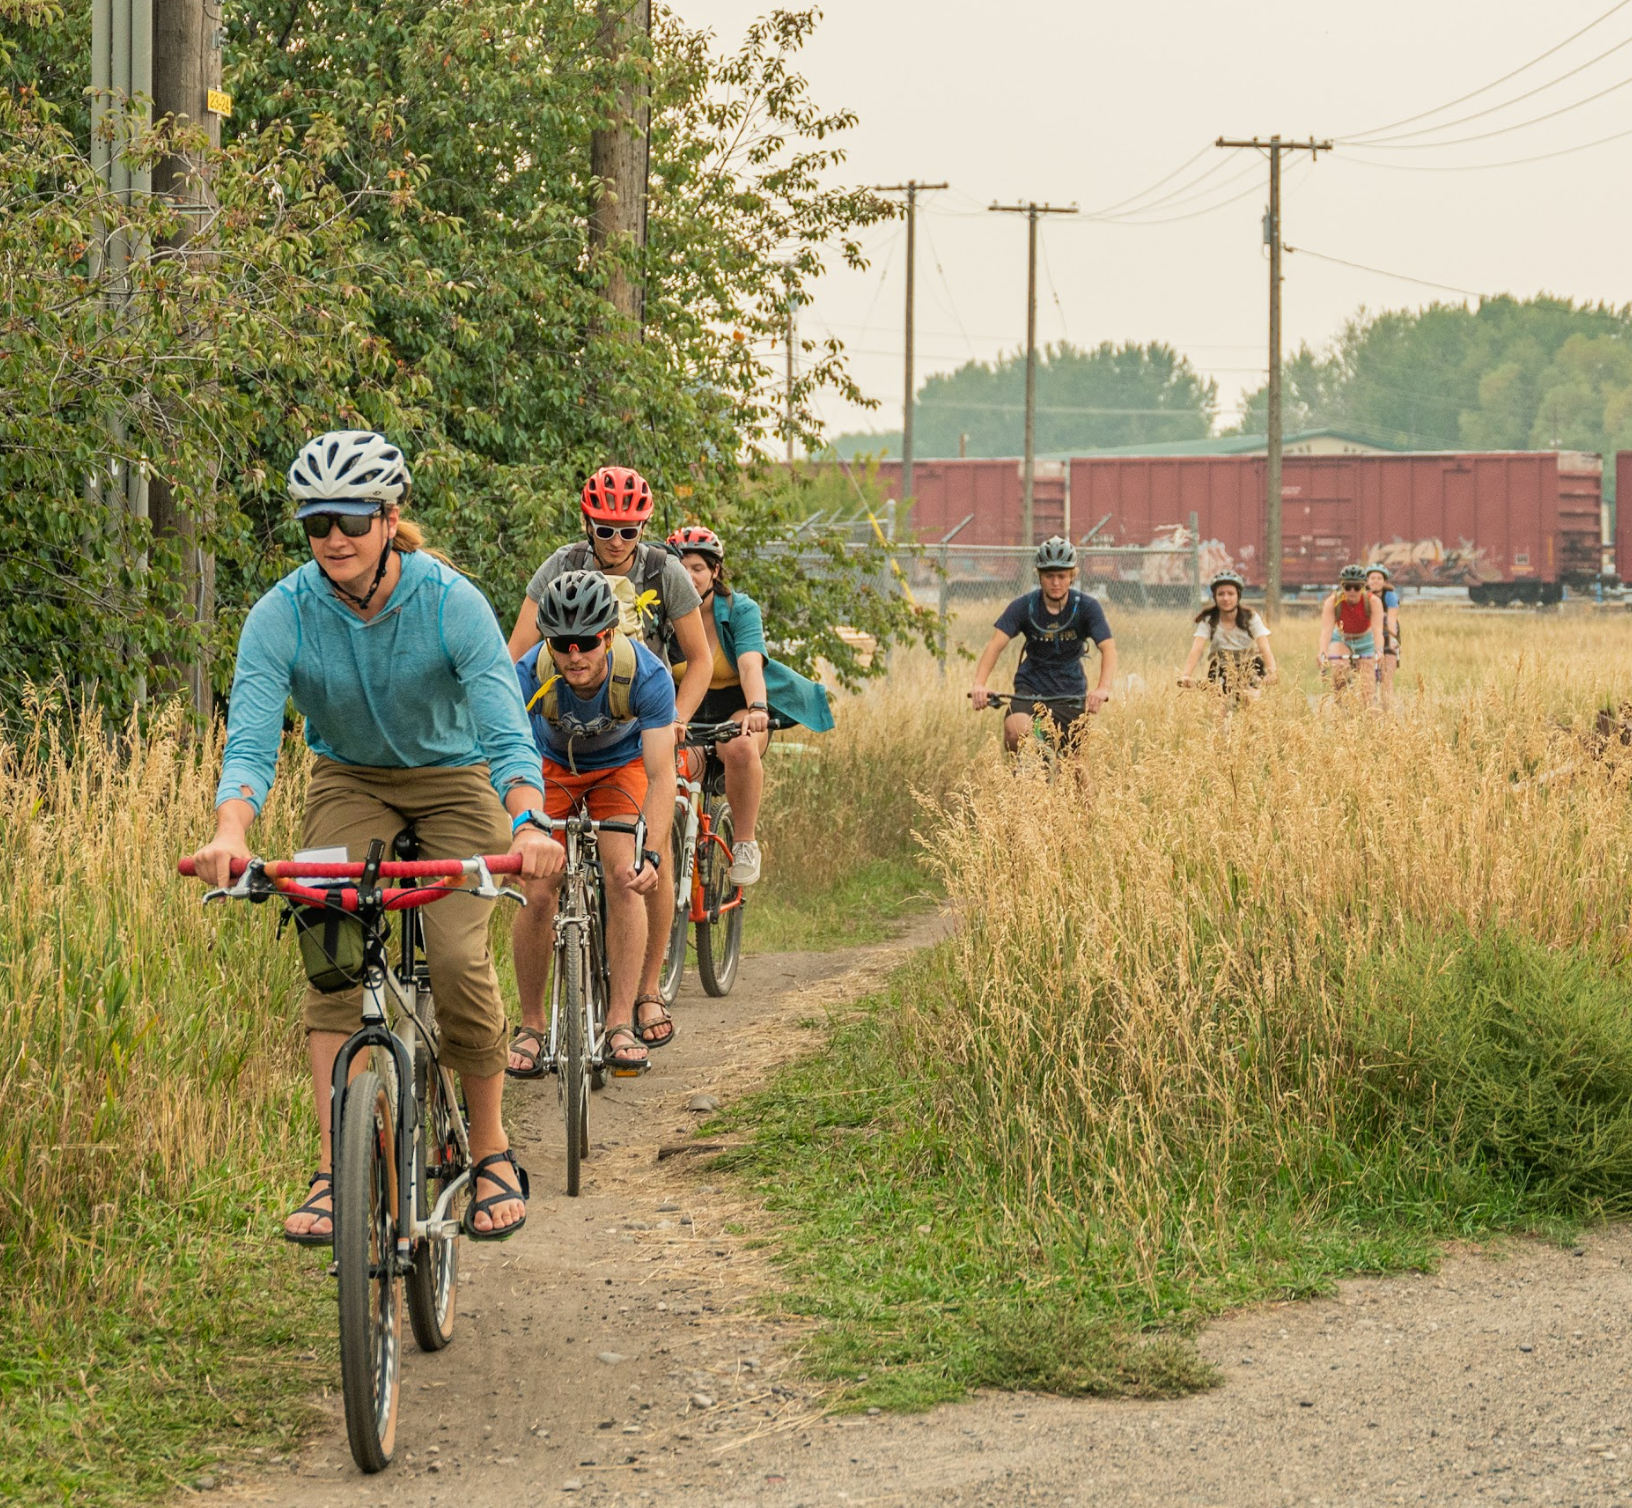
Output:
(610, 1354)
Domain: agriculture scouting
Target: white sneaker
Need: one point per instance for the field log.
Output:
(744, 863)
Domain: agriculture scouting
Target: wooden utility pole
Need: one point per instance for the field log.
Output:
(911, 188)
(1272, 469)
(186, 82)
(1031, 211)
(620, 153)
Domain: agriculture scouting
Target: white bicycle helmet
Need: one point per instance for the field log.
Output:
(577, 602)
(1056, 554)
(347, 471)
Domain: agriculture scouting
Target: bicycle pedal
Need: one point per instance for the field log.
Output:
(627, 1073)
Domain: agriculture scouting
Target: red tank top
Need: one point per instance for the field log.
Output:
(1354, 618)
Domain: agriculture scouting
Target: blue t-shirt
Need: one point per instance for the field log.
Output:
(584, 736)
(1055, 642)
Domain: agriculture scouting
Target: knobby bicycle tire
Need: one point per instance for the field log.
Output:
(433, 1285)
(719, 942)
(365, 1253)
(674, 960)
(575, 1073)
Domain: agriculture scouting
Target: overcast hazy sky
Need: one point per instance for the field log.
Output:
(1063, 100)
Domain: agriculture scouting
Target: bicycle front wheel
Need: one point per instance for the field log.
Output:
(433, 1285)
(719, 935)
(575, 1070)
(674, 961)
(365, 1253)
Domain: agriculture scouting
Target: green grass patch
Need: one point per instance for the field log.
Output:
(946, 1242)
(200, 1358)
(867, 905)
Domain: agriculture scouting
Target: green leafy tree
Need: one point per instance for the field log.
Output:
(401, 242)
(1510, 374)
(1111, 395)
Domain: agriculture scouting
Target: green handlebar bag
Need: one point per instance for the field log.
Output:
(333, 946)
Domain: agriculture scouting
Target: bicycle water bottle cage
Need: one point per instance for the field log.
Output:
(333, 945)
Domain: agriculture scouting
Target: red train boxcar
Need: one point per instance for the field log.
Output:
(1509, 526)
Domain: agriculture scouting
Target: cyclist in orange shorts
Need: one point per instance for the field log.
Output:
(604, 724)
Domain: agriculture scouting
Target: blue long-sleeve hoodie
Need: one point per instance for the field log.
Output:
(427, 682)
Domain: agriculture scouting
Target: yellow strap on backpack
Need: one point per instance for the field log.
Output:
(620, 689)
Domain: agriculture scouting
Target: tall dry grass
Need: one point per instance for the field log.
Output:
(1228, 975)
(150, 1056)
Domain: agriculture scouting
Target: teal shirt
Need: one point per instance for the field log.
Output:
(426, 682)
(742, 631)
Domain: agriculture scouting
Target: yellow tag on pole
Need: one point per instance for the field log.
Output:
(219, 101)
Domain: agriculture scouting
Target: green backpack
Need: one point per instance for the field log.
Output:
(620, 675)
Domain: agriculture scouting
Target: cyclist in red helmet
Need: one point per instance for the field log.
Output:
(660, 607)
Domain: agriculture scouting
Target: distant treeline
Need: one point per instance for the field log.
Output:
(1533, 374)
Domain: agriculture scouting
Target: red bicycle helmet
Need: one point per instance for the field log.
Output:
(694, 539)
(617, 495)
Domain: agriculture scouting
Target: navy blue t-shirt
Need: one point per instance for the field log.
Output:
(1055, 642)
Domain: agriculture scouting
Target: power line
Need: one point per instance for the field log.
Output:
(1479, 167)
(1189, 162)
(1180, 198)
(1458, 141)
(1404, 277)
(1462, 99)
(1506, 104)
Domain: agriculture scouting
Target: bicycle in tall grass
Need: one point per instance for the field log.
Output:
(1057, 724)
(706, 901)
(403, 1176)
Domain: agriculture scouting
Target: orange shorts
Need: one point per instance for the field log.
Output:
(616, 793)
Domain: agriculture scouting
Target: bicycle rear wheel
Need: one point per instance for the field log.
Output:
(674, 961)
(575, 1071)
(719, 940)
(433, 1285)
(365, 1253)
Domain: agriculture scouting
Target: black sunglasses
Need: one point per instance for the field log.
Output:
(352, 525)
(613, 531)
(568, 644)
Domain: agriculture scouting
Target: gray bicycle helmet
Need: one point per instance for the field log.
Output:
(1352, 575)
(1056, 554)
(1227, 578)
(1381, 570)
(577, 602)
(347, 471)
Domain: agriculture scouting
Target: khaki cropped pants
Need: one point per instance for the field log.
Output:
(457, 816)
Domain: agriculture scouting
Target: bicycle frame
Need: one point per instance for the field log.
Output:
(699, 835)
(583, 856)
(392, 1023)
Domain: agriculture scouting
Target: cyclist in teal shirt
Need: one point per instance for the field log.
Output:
(412, 709)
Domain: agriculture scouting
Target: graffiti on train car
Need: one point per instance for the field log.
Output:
(1428, 562)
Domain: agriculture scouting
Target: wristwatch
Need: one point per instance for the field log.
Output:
(529, 818)
(758, 707)
(652, 857)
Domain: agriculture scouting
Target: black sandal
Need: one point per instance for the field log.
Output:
(622, 1067)
(485, 1206)
(663, 1018)
(535, 1069)
(312, 1207)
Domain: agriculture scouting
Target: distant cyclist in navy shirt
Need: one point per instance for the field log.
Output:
(1059, 624)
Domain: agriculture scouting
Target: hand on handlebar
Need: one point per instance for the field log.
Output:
(213, 862)
(1096, 699)
(542, 857)
(757, 722)
(643, 880)
(978, 695)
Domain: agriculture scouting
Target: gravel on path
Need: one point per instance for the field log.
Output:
(613, 1353)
